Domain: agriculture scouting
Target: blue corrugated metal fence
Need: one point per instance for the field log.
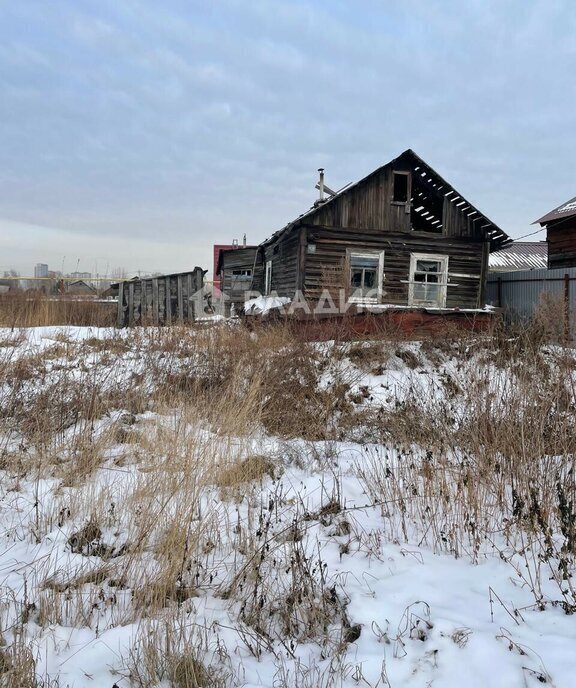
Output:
(519, 293)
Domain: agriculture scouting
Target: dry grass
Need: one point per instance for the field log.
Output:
(482, 460)
(151, 446)
(35, 309)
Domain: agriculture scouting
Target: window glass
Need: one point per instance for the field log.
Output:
(364, 273)
(428, 266)
(428, 282)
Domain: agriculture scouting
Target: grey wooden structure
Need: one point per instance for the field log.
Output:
(161, 300)
(560, 226)
(402, 230)
(236, 271)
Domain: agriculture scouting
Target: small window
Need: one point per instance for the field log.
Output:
(400, 192)
(268, 278)
(428, 280)
(242, 273)
(366, 276)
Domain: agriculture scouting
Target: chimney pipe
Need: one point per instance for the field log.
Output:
(321, 183)
(244, 241)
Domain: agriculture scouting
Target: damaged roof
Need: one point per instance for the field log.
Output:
(567, 209)
(497, 237)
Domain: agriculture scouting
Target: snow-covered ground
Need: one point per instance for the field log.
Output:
(295, 575)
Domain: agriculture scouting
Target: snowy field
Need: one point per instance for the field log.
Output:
(219, 508)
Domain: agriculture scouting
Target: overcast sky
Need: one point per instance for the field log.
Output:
(137, 133)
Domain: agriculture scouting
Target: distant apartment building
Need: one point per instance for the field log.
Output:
(41, 270)
(81, 275)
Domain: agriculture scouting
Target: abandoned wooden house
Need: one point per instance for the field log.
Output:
(402, 236)
(560, 226)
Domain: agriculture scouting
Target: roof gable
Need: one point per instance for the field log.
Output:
(493, 233)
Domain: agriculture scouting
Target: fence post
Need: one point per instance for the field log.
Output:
(567, 306)
(179, 286)
(499, 292)
(130, 304)
(120, 320)
(168, 302)
(155, 302)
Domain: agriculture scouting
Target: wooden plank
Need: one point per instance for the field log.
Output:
(301, 265)
(131, 303)
(143, 303)
(120, 319)
(188, 295)
(168, 302)
(155, 301)
(483, 273)
(179, 287)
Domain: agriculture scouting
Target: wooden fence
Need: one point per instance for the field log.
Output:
(161, 300)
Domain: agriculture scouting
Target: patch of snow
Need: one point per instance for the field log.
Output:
(264, 304)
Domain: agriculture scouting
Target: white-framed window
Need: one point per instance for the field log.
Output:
(268, 278)
(428, 280)
(366, 276)
(241, 279)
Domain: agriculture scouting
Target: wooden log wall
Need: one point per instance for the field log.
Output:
(562, 244)
(284, 254)
(326, 268)
(160, 300)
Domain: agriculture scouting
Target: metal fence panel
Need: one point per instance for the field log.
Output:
(519, 293)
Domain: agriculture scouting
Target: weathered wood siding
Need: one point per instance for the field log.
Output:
(235, 286)
(159, 300)
(284, 254)
(367, 206)
(327, 268)
(562, 244)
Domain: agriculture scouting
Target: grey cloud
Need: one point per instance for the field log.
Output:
(209, 119)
